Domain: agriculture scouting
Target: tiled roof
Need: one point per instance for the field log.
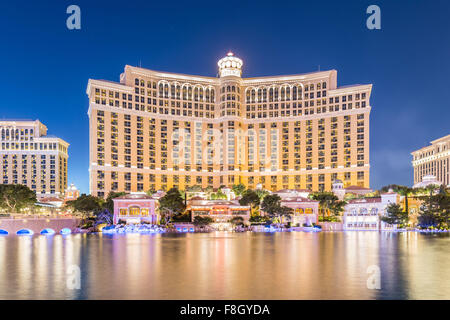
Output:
(132, 196)
(365, 200)
(298, 199)
(356, 188)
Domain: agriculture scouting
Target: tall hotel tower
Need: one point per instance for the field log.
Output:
(32, 158)
(433, 160)
(156, 130)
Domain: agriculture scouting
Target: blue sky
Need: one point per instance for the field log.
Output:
(45, 67)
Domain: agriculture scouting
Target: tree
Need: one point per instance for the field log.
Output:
(194, 188)
(435, 210)
(337, 207)
(14, 197)
(238, 189)
(395, 215)
(252, 199)
(103, 216)
(200, 221)
(402, 190)
(271, 205)
(218, 195)
(109, 203)
(259, 219)
(86, 204)
(171, 203)
(327, 201)
(261, 193)
(237, 221)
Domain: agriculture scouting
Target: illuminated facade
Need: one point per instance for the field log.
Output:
(31, 158)
(157, 130)
(365, 214)
(433, 160)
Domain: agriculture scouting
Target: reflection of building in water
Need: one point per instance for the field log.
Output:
(157, 130)
(364, 214)
(135, 208)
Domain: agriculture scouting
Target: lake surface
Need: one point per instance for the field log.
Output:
(223, 265)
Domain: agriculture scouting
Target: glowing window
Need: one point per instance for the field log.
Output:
(134, 211)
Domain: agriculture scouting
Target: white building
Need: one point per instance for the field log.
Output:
(426, 181)
(364, 214)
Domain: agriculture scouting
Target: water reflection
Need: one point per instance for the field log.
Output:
(226, 266)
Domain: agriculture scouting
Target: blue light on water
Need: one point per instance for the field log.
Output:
(24, 232)
(3, 232)
(48, 232)
(66, 231)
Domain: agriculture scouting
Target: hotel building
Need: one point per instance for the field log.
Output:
(30, 157)
(433, 160)
(157, 130)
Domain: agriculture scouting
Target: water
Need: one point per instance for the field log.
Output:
(224, 265)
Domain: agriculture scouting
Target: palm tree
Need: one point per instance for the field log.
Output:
(326, 200)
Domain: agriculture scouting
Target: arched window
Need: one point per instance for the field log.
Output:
(134, 211)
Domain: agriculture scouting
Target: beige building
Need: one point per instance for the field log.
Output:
(157, 130)
(433, 160)
(30, 157)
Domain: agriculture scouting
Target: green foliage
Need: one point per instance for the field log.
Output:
(109, 204)
(103, 216)
(14, 197)
(88, 224)
(194, 188)
(237, 221)
(271, 204)
(250, 198)
(172, 203)
(328, 202)
(261, 193)
(86, 204)
(218, 195)
(185, 217)
(337, 207)
(435, 210)
(238, 189)
(259, 219)
(329, 219)
(395, 215)
(200, 221)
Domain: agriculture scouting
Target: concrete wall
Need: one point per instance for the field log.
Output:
(332, 226)
(37, 224)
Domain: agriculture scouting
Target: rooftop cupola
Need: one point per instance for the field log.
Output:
(230, 66)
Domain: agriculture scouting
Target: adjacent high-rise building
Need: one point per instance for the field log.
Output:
(433, 160)
(157, 130)
(30, 157)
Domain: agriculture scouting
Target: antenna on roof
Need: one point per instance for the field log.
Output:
(319, 67)
(140, 64)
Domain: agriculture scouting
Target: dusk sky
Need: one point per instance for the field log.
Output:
(46, 67)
